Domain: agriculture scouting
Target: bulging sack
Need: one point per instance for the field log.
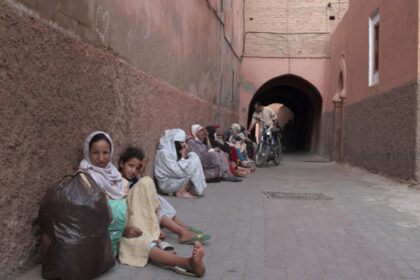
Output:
(74, 218)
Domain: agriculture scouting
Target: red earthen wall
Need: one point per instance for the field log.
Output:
(380, 121)
(55, 89)
(398, 48)
(179, 42)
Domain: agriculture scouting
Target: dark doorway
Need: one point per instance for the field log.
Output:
(303, 99)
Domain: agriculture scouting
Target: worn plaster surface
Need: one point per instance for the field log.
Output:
(380, 132)
(55, 89)
(185, 44)
(325, 147)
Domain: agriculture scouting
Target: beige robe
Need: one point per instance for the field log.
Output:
(142, 212)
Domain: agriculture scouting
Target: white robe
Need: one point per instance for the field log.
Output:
(166, 209)
(171, 173)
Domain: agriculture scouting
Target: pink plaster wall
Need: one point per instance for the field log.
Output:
(398, 48)
(177, 42)
(380, 124)
(255, 72)
(62, 75)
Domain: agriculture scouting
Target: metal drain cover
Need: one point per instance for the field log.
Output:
(297, 196)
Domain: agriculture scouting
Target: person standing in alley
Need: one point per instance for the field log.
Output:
(263, 115)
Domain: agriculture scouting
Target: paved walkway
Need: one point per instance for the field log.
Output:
(369, 228)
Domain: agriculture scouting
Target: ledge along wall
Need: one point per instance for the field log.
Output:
(130, 68)
(380, 121)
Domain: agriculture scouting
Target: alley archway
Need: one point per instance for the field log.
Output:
(303, 99)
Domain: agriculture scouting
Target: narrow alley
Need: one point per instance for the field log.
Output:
(341, 223)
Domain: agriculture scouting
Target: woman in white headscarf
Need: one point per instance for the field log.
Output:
(140, 223)
(176, 170)
(210, 157)
(241, 142)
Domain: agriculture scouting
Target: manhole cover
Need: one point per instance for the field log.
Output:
(317, 161)
(297, 196)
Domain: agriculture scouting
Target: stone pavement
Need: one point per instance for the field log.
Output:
(369, 229)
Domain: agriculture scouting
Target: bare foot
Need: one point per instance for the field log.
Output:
(196, 260)
(241, 173)
(185, 194)
(186, 236)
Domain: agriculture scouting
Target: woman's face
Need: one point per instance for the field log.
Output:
(100, 153)
(130, 168)
(200, 134)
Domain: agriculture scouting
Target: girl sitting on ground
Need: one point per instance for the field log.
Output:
(133, 162)
(140, 233)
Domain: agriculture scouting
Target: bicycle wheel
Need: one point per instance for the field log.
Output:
(278, 155)
(262, 155)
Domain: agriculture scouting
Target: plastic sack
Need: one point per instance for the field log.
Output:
(116, 228)
(74, 218)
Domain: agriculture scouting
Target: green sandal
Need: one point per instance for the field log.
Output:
(193, 229)
(198, 237)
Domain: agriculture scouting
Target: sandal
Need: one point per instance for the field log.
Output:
(165, 246)
(198, 237)
(178, 270)
(193, 229)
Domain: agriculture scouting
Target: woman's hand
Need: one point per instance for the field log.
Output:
(184, 151)
(132, 232)
(144, 163)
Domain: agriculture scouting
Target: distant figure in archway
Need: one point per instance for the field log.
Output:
(305, 103)
(289, 136)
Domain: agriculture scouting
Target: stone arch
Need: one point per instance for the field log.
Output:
(300, 96)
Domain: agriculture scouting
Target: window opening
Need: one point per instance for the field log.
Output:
(376, 64)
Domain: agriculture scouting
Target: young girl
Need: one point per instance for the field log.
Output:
(141, 232)
(133, 162)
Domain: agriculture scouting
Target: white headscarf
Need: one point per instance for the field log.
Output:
(194, 129)
(167, 141)
(236, 131)
(236, 128)
(109, 178)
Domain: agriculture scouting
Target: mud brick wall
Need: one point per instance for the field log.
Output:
(57, 86)
(380, 132)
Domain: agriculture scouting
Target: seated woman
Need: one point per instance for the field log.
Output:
(241, 170)
(176, 170)
(132, 162)
(141, 232)
(241, 142)
(200, 144)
